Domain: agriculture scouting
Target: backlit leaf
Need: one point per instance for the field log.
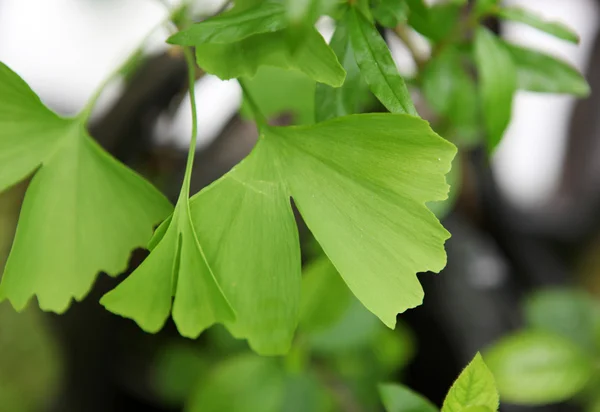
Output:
(474, 388)
(83, 211)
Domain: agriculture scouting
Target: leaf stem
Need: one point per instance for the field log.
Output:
(259, 118)
(191, 66)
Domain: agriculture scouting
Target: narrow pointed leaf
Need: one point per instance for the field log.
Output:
(474, 388)
(313, 57)
(376, 64)
(83, 211)
(553, 28)
(235, 25)
(497, 82)
(540, 72)
(333, 102)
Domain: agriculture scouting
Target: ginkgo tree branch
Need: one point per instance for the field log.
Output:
(191, 65)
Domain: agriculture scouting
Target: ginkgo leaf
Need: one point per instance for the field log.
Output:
(177, 268)
(83, 211)
(265, 17)
(312, 56)
(360, 183)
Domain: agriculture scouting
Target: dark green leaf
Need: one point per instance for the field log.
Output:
(377, 66)
(398, 398)
(556, 29)
(313, 57)
(535, 367)
(539, 72)
(473, 390)
(390, 13)
(235, 25)
(333, 102)
(497, 82)
(437, 23)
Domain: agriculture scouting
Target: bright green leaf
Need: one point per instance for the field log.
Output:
(247, 214)
(278, 91)
(390, 13)
(539, 72)
(556, 29)
(474, 388)
(177, 268)
(100, 209)
(235, 25)
(569, 313)
(246, 383)
(313, 57)
(373, 198)
(398, 398)
(535, 367)
(484, 7)
(497, 82)
(333, 102)
(376, 64)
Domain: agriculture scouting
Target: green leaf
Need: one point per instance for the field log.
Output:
(304, 392)
(534, 367)
(390, 13)
(235, 25)
(398, 398)
(247, 214)
(177, 268)
(100, 209)
(437, 23)
(497, 82)
(362, 178)
(333, 102)
(565, 312)
(325, 296)
(451, 92)
(376, 64)
(313, 57)
(246, 383)
(539, 72)
(555, 29)
(474, 388)
(484, 7)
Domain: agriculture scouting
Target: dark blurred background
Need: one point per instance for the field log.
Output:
(525, 219)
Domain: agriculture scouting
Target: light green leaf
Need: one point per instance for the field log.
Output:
(390, 13)
(325, 296)
(475, 387)
(565, 312)
(497, 82)
(278, 91)
(100, 209)
(539, 72)
(535, 367)
(333, 102)
(177, 268)
(555, 29)
(247, 214)
(373, 198)
(376, 64)
(313, 57)
(398, 398)
(246, 383)
(235, 25)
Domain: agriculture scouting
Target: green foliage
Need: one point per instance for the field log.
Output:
(497, 82)
(474, 388)
(534, 367)
(539, 72)
(397, 398)
(553, 28)
(391, 13)
(100, 210)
